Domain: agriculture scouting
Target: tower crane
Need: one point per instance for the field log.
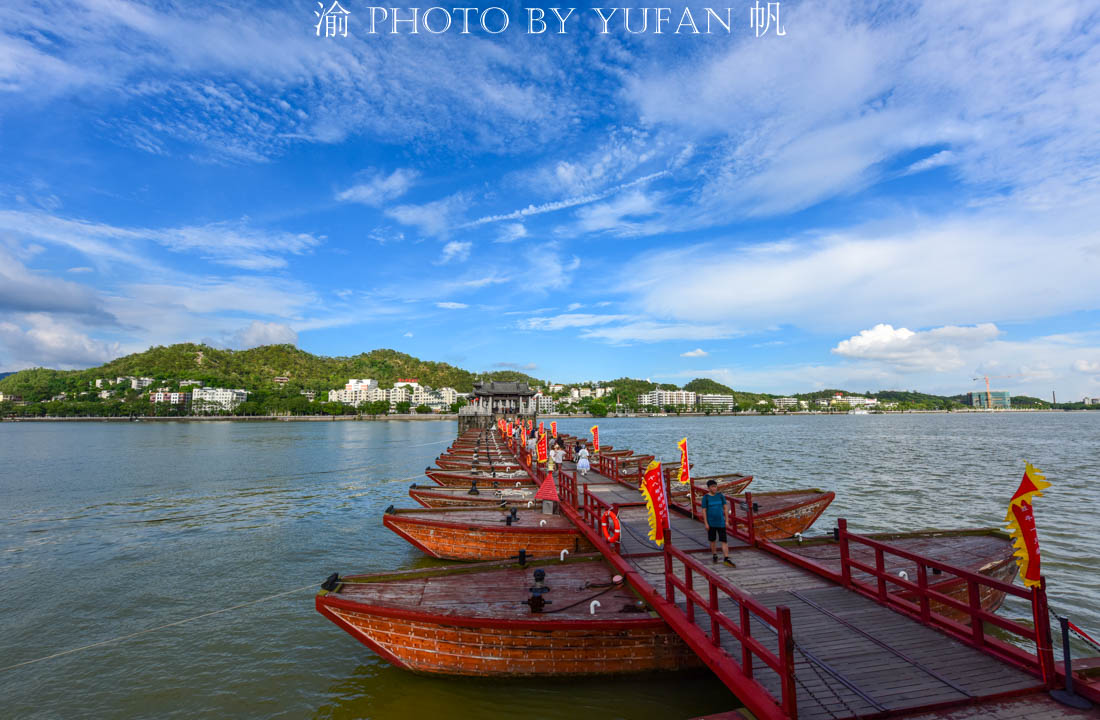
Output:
(988, 394)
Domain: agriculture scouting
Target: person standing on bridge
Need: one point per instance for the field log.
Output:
(583, 466)
(715, 511)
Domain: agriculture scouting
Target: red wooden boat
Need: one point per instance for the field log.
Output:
(779, 515)
(486, 534)
(987, 551)
(729, 484)
(436, 496)
(478, 621)
(449, 462)
(453, 478)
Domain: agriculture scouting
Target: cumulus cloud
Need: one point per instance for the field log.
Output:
(1086, 366)
(697, 352)
(941, 349)
(40, 339)
(378, 188)
(263, 333)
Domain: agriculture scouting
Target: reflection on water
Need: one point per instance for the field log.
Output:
(110, 529)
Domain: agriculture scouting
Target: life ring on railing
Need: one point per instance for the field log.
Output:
(609, 521)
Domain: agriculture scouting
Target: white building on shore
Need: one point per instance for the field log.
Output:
(662, 398)
(711, 401)
(214, 399)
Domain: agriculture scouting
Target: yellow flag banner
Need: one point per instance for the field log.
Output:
(685, 468)
(596, 439)
(656, 502)
(554, 428)
(1021, 524)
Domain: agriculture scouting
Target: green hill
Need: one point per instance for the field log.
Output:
(253, 370)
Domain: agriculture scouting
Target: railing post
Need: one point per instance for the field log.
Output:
(786, 659)
(977, 626)
(691, 492)
(845, 558)
(880, 574)
(690, 585)
(751, 519)
(715, 628)
(1044, 644)
(670, 591)
(746, 632)
(922, 583)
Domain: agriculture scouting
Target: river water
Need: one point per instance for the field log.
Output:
(109, 529)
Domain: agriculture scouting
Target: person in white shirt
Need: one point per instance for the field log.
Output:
(583, 466)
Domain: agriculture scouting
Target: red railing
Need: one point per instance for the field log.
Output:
(782, 662)
(972, 632)
(740, 525)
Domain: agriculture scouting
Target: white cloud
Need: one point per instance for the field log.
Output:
(697, 352)
(574, 306)
(264, 333)
(236, 244)
(568, 320)
(624, 328)
(378, 188)
(943, 157)
(42, 340)
(452, 305)
(455, 250)
(408, 335)
(940, 349)
(22, 290)
(524, 367)
(1086, 366)
(435, 218)
(510, 232)
(913, 271)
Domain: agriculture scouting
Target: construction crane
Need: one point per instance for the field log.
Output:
(988, 394)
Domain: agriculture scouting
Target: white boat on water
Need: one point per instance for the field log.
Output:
(858, 411)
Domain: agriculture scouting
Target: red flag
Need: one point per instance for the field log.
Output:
(1021, 524)
(542, 447)
(541, 431)
(554, 428)
(656, 502)
(596, 439)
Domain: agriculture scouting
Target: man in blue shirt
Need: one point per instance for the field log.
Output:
(715, 510)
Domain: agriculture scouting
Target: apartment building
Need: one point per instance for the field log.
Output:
(710, 401)
(661, 398)
(213, 399)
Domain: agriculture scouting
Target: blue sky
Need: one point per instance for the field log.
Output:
(889, 196)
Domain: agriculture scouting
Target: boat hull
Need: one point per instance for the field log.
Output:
(482, 535)
(436, 496)
(447, 478)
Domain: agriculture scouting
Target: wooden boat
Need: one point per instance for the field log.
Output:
(476, 621)
(466, 533)
(616, 453)
(780, 515)
(436, 496)
(453, 478)
(446, 462)
(729, 484)
(987, 551)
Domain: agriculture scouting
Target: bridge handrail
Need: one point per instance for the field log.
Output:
(782, 663)
(973, 632)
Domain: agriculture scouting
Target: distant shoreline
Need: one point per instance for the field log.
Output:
(454, 417)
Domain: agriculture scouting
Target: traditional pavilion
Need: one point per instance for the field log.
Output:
(491, 400)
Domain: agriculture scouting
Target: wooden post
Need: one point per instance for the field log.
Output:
(977, 629)
(670, 591)
(845, 559)
(880, 574)
(1044, 645)
(715, 628)
(786, 659)
(690, 586)
(746, 632)
(750, 519)
(691, 491)
(922, 583)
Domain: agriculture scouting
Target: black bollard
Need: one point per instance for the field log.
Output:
(1067, 697)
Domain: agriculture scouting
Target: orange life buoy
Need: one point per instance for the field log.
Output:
(609, 521)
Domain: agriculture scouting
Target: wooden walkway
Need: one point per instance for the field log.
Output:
(853, 657)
